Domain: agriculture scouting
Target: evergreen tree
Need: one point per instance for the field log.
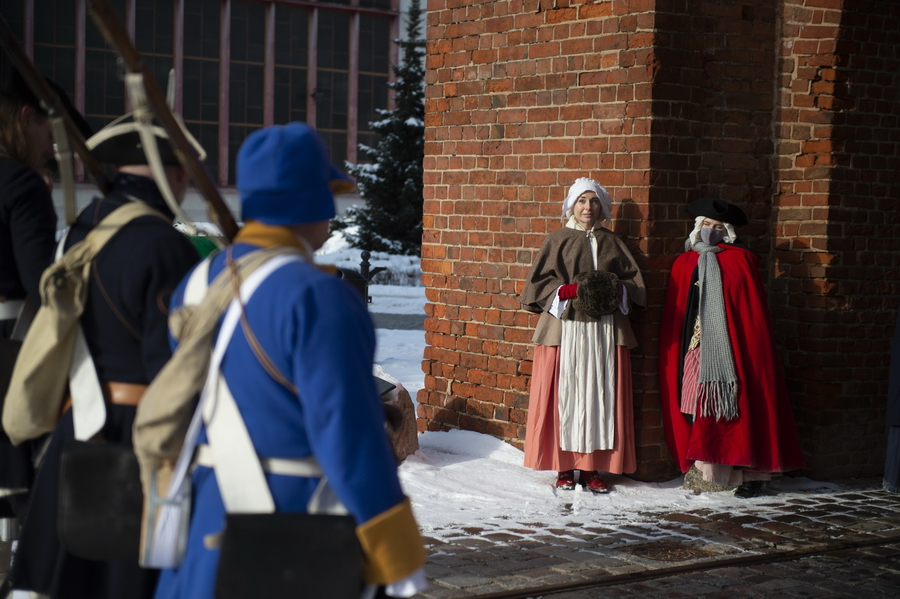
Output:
(391, 184)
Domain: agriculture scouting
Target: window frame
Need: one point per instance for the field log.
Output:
(271, 6)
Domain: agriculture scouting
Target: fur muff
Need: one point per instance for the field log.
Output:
(598, 293)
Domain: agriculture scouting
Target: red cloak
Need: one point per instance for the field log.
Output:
(763, 437)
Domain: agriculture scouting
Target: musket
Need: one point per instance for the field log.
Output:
(115, 33)
(66, 134)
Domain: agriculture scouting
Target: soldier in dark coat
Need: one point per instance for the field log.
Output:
(125, 326)
(27, 241)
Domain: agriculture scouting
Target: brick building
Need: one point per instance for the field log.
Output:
(789, 108)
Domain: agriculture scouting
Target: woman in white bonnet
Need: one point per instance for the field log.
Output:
(580, 410)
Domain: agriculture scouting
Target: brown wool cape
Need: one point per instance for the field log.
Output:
(565, 253)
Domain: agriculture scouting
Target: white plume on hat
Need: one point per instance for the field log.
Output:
(582, 185)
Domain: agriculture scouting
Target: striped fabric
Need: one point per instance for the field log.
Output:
(689, 388)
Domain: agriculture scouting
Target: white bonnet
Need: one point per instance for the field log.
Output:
(582, 185)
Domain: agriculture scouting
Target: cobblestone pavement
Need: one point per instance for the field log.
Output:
(849, 541)
(822, 527)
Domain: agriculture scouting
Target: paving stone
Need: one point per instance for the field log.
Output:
(746, 519)
(448, 561)
(871, 526)
(501, 536)
(511, 566)
(774, 585)
(463, 581)
(576, 567)
(687, 518)
(544, 562)
(598, 530)
(779, 527)
(433, 570)
(473, 542)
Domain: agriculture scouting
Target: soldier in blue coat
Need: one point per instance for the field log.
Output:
(318, 335)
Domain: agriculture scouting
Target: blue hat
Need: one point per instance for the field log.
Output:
(284, 176)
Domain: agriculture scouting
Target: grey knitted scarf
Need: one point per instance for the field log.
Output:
(717, 385)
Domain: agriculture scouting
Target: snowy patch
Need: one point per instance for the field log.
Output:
(462, 479)
(400, 354)
(400, 270)
(393, 299)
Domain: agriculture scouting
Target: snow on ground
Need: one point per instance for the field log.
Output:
(399, 270)
(462, 479)
(392, 299)
(400, 354)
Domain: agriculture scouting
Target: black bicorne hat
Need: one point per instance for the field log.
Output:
(120, 143)
(718, 210)
(18, 88)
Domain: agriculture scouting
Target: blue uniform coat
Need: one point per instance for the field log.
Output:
(318, 333)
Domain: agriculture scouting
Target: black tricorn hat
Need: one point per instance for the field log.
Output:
(120, 143)
(18, 88)
(718, 210)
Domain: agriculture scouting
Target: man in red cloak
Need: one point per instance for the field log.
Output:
(724, 401)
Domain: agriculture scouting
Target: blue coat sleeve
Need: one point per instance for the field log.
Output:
(344, 418)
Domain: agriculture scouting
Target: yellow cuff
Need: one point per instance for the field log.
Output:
(391, 545)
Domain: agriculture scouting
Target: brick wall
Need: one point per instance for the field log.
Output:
(836, 258)
(662, 105)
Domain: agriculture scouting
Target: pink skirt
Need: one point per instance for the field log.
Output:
(542, 450)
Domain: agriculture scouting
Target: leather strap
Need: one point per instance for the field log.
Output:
(123, 394)
(264, 360)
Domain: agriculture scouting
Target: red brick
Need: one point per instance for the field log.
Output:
(593, 11)
(561, 14)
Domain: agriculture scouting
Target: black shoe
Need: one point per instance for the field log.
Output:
(754, 488)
